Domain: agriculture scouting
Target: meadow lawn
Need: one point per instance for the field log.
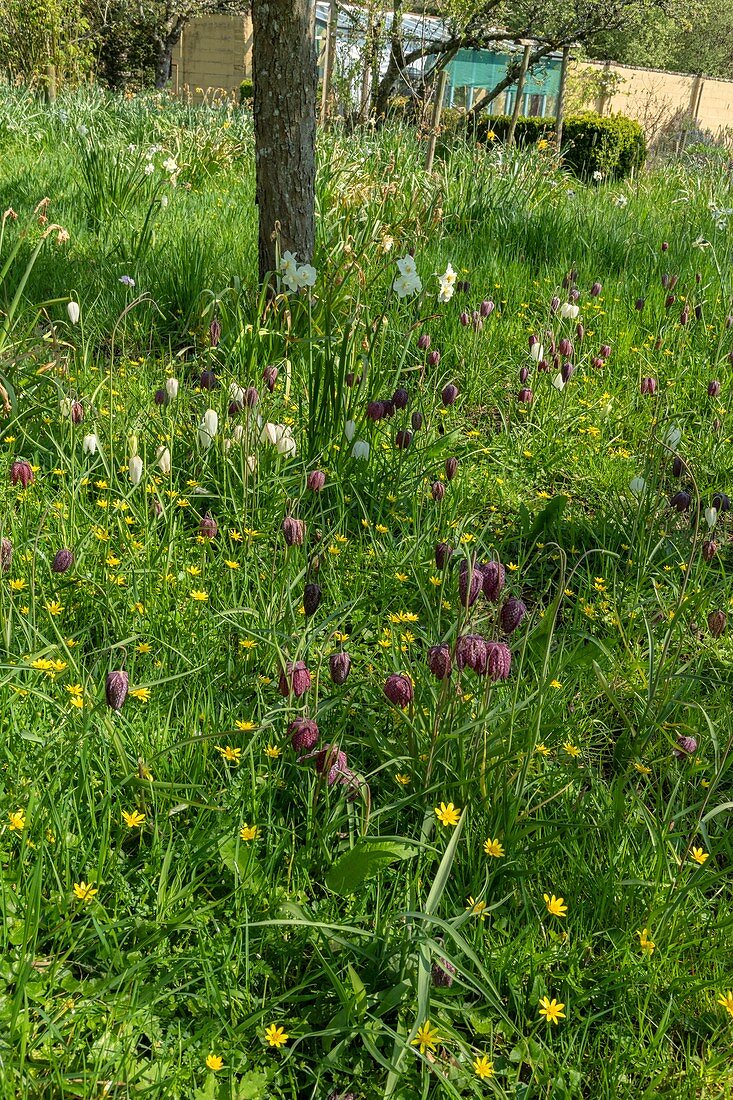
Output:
(365, 685)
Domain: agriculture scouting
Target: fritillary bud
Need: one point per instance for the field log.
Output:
(439, 661)
(437, 491)
(6, 555)
(316, 480)
(208, 527)
(339, 665)
(434, 358)
(293, 531)
(716, 623)
(442, 554)
(714, 388)
(269, 377)
(470, 581)
(311, 598)
(400, 397)
(493, 576)
(686, 746)
(451, 465)
(63, 560)
(423, 341)
(295, 679)
(449, 394)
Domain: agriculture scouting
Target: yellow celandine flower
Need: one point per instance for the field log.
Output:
(273, 752)
(76, 701)
(18, 585)
(647, 946)
(483, 1067)
(232, 756)
(245, 725)
(571, 749)
(249, 832)
(555, 684)
(401, 576)
(54, 607)
(248, 643)
(194, 570)
(235, 535)
(493, 848)
(231, 564)
(16, 821)
(556, 906)
(84, 891)
(214, 1062)
(552, 1010)
(276, 1036)
(199, 596)
(143, 647)
(381, 529)
(478, 908)
(141, 694)
(726, 1000)
(402, 779)
(75, 689)
(447, 814)
(699, 855)
(133, 819)
(542, 749)
(426, 1038)
(642, 769)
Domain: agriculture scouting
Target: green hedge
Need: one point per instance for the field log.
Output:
(246, 93)
(613, 145)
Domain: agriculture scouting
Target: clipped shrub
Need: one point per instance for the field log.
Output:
(246, 93)
(613, 145)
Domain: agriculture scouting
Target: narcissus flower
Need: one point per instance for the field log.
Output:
(447, 814)
(552, 1010)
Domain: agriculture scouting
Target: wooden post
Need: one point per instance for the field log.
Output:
(50, 88)
(520, 89)
(435, 121)
(329, 56)
(560, 113)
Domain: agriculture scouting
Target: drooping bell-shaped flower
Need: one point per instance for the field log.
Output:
(135, 469)
(339, 666)
(294, 679)
(73, 312)
(116, 688)
(21, 473)
(62, 561)
(304, 734)
(398, 689)
(439, 661)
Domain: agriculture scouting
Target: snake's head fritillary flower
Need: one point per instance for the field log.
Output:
(6, 555)
(677, 466)
(316, 480)
(403, 439)
(648, 387)
(331, 762)
(443, 554)
(686, 746)
(416, 421)
(439, 661)
(115, 689)
(499, 660)
(721, 502)
(680, 501)
(714, 388)
(375, 411)
(451, 466)
(171, 388)
(22, 473)
(493, 577)
(470, 583)
(486, 308)
(208, 527)
(449, 394)
(595, 290)
(215, 332)
(717, 622)
(304, 734)
(269, 376)
(398, 689)
(524, 375)
(471, 652)
(400, 397)
(208, 380)
(512, 614)
(525, 396)
(709, 549)
(73, 311)
(161, 397)
(442, 973)
(423, 341)
(339, 666)
(437, 491)
(311, 598)
(295, 679)
(433, 357)
(293, 531)
(63, 561)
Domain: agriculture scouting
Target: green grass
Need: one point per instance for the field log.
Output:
(332, 922)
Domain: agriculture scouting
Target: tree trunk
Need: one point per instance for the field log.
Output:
(285, 79)
(163, 65)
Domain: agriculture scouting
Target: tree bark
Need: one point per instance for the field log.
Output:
(165, 45)
(285, 79)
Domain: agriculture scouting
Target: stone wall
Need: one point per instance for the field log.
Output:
(213, 56)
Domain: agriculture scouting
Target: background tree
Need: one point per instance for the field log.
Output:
(37, 33)
(285, 82)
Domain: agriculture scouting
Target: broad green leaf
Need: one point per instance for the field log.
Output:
(363, 861)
